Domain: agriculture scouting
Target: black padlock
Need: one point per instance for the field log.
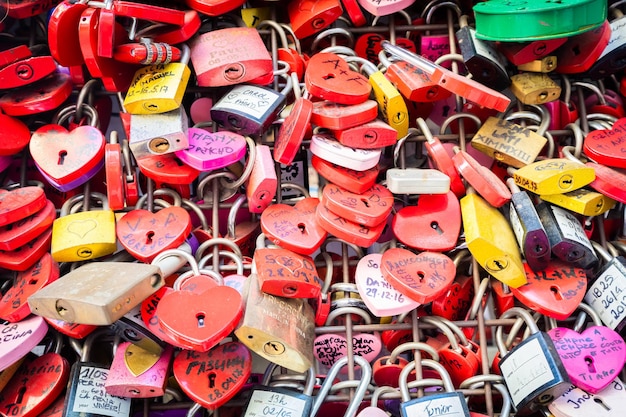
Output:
(613, 58)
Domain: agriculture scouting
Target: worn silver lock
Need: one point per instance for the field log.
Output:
(156, 134)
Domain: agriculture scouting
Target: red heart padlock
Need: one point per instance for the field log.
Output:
(286, 274)
(65, 156)
(369, 208)
(443, 162)
(609, 182)
(35, 386)
(28, 8)
(555, 292)
(20, 203)
(433, 224)
(167, 168)
(351, 232)
(455, 303)
(207, 318)
(294, 228)
(14, 135)
(39, 97)
(292, 131)
(25, 256)
(329, 77)
(62, 34)
(580, 52)
(145, 234)
(484, 181)
(151, 319)
(606, 146)
(350, 179)
(73, 330)
(330, 115)
(422, 277)
(212, 378)
(13, 305)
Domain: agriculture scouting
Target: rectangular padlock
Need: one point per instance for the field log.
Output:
(534, 88)
(417, 181)
(545, 64)
(261, 186)
(157, 134)
(97, 293)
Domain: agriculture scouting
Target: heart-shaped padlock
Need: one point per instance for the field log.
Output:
(578, 402)
(212, 378)
(145, 234)
(210, 151)
(606, 146)
(592, 358)
(294, 227)
(350, 179)
(25, 256)
(151, 319)
(382, 299)
(422, 277)
(329, 348)
(67, 156)
(20, 203)
(329, 77)
(369, 208)
(433, 224)
(17, 234)
(19, 338)
(14, 135)
(286, 274)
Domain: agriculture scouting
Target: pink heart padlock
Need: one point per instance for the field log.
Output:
(592, 358)
(329, 348)
(209, 151)
(17, 339)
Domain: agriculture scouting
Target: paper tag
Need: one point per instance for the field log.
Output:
(575, 401)
(618, 36)
(516, 225)
(448, 406)
(268, 403)
(607, 295)
(91, 396)
(571, 227)
(250, 100)
(526, 369)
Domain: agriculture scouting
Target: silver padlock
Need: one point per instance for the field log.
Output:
(156, 134)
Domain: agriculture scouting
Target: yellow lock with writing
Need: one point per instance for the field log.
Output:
(491, 241)
(534, 88)
(582, 201)
(80, 236)
(159, 88)
(553, 176)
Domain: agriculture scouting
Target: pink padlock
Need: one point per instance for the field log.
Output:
(138, 373)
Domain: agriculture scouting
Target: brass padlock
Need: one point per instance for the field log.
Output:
(280, 330)
(534, 88)
(97, 293)
(83, 235)
(156, 134)
(545, 64)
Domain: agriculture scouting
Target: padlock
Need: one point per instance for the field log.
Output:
(308, 18)
(491, 241)
(553, 176)
(562, 111)
(26, 71)
(567, 237)
(83, 235)
(13, 305)
(261, 186)
(543, 65)
(334, 116)
(20, 338)
(482, 179)
(280, 330)
(138, 373)
(603, 145)
(329, 77)
(386, 369)
(582, 201)
(218, 61)
(603, 293)
(280, 399)
(249, 109)
(350, 179)
(417, 181)
(39, 97)
(367, 45)
(434, 46)
(209, 151)
(131, 328)
(292, 131)
(534, 88)
(37, 383)
(611, 60)
(159, 88)
(529, 231)
(486, 64)
(357, 234)
(326, 147)
(113, 288)
(369, 208)
(510, 143)
(574, 401)
(448, 402)
(519, 53)
(579, 53)
(157, 134)
(22, 231)
(531, 387)
(86, 394)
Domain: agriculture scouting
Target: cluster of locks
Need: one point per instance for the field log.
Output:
(212, 207)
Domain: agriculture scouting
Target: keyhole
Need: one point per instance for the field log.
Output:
(599, 401)
(212, 377)
(590, 365)
(328, 76)
(421, 275)
(435, 225)
(62, 155)
(302, 228)
(556, 293)
(365, 202)
(200, 318)
(32, 282)
(446, 110)
(149, 237)
(538, 249)
(20, 395)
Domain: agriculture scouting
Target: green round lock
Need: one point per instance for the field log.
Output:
(530, 20)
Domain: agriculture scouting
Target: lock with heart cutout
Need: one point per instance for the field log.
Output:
(83, 235)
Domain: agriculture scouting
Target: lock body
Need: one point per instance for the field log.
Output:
(157, 134)
(604, 294)
(275, 398)
(82, 236)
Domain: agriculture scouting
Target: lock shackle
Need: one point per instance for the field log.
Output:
(621, 246)
(280, 31)
(75, 203)
(601, 251)
(457, 116)
(303, 191)
(455, 329)
(510, 182)
(382, 390)
(593, 88)
(341, 311)
(232, 217)
(392, 25)
(332, 33)
(481, 379)
(221, 241)
(328, 278)
(185, 276)
(366, 377)
(202, 185)
(247, 169)
(128, 161)
(358, 250)
(64, 115)
(615, 12)
(296, 42)
(193, 410)
(430, 8)
(441, 326)
(429, 363)
(54, 342)
(519, 313)
(567, 90)
(261, 243)
(507, 406)
(202, 263)
(309, 386)
(190, 205)
(404, 347)
(478, 298)
(178, 200)
(450, 57)
(183, 259)
(89, 341)
(581, 318)
(343, 51)
(366, 68)
(85, 96)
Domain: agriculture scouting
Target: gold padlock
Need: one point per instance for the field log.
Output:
(159, 88)
(97, 293)
(553, 176)
(534, 88)
(84, 235)
(545, 64)
(582, 201)
(279, 329)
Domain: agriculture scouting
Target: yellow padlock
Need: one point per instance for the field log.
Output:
(83, 235)
(582, 201)
(534, 88)
(545, 64)
(159, 88)
(553, 176)
(491, 240)
(252, 16)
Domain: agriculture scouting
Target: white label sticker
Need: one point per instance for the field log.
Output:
(571, 227)
(274, 404)
(618, 36)
(251, 100)
(91, 396)
(516, 224)
(526, 369)
(607, 295)
(449, 406)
